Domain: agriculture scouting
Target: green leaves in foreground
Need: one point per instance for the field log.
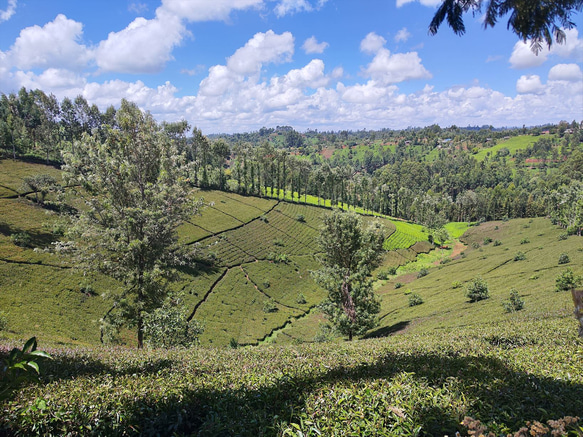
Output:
(21, 365)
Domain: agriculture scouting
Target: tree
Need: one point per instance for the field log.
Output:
(537, 20)
(349, 255)
(136, 194)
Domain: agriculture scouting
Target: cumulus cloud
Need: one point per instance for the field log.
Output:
(529, 85)
(523, 57)
(402, 35)
(390, 68)
(372, 43)
(144, 46)
(6, 14)
(204, 10)
(311, 45)
(262, 48)
(56, 44)
(567, 72)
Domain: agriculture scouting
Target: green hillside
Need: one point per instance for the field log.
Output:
(432, 368)
(263, 251)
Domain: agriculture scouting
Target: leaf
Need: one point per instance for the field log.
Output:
(40, 354)
(30, 345)
(34, 366)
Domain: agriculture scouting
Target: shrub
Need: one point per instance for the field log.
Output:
(415, 299)
(21, 239)
(514, 302)
(301, 299)
(519, 256)
(524, 241)
(300, 218)
(325, 333)
(168, 326)
(564, 258)
(233, 343)
(422, 272)
(497, 243)
(477, 290)
(475, 245)
(567, 280)
(278, 242)
(269, 306)
(563, 237)
(456, 284)
(487, 240)
(398, 285)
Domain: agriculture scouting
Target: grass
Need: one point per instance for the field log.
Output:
(513, 144)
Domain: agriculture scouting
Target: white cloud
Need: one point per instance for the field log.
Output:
(372, 43)
(285, 7)
(402, 35)
(56, 44)
(137, 7)
(394, 68)
(429, 3)
(567, 72)
(205, 10)
(529, 85)
(311, 45)
(262, 48)
(523, 57)
(144, 46)
(5, 15)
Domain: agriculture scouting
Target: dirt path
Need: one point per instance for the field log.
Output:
(457, 250)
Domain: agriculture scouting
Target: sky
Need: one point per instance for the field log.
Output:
(230, 66)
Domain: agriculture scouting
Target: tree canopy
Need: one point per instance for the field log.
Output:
(536, 20)
(349, 255)
(136, 194)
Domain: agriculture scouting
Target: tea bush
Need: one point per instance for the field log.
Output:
(477, 290)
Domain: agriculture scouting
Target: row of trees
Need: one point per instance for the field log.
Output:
(390, 173)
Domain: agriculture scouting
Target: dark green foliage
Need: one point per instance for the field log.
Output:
(487, 240)
(525, 241)
(477, 289)
(423, 272)
(301, 300)
(21, 239)
(564, 258)
(514, 302)
(168, 326)
(350, 253)
(567, 280)
(497, 243)
(398, 285)
(136, 190)
(300, 218)
(538, 21)
(415, 299)
(519, 256)
(19, 366)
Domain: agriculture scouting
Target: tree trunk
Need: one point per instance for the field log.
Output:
(578, 301)
(140, 332)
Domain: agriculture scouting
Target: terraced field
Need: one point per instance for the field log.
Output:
(264, 250)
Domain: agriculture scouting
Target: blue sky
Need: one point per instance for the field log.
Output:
(237, 65)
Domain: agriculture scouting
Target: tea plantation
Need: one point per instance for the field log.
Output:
(434, 368)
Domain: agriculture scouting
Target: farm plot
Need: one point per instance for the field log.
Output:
(214, 220)
(193, 286)
(405, 235)
(311, 216)
(189, 233)
(243, 209)
(288, 284)
(227, 252)
(299, 238)
(237, 310)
